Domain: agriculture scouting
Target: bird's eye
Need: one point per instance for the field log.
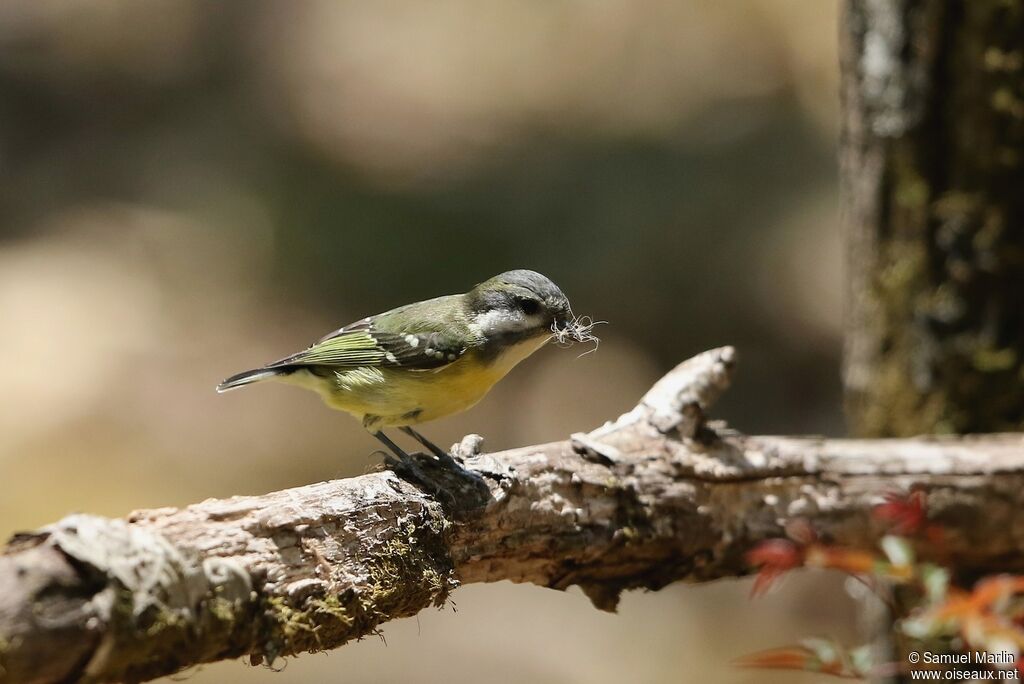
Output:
(528, 306)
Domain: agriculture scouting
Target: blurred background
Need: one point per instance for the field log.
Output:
(189, 189)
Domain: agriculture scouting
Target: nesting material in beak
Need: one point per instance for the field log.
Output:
(576, 329)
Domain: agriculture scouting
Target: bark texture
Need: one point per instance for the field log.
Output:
(655, 497)
(933, 171)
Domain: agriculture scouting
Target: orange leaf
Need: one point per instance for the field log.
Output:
(847, 560)
(786, 658)
(831, 660)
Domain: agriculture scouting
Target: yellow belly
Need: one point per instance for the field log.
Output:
(386, 397)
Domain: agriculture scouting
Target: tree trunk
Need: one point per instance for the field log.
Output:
(932, 168)
(932, 163)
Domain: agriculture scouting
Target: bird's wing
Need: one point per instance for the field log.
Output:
(363, 345)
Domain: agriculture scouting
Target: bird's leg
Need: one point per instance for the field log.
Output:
(442, 455)
(405, 460)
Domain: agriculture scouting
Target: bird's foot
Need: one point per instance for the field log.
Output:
(409, 468)
(438, 473)
(447, 460)
(440, 454)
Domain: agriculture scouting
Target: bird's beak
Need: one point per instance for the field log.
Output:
(562, 317)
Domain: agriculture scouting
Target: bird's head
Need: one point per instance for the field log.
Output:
(517, 305)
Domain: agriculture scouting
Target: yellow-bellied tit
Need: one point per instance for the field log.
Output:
(425, 360)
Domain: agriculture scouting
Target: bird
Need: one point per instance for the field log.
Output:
(426, 360)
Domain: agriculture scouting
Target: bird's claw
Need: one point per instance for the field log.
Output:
(411, 469)
(438, 472)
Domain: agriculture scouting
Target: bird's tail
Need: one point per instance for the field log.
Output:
(249, 377)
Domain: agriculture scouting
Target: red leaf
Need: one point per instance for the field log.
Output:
(907, 514)
(774, 558)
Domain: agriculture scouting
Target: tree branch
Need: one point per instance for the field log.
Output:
(655, 497)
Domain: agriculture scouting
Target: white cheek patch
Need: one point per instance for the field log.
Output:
(500, 321)
(531, 322)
